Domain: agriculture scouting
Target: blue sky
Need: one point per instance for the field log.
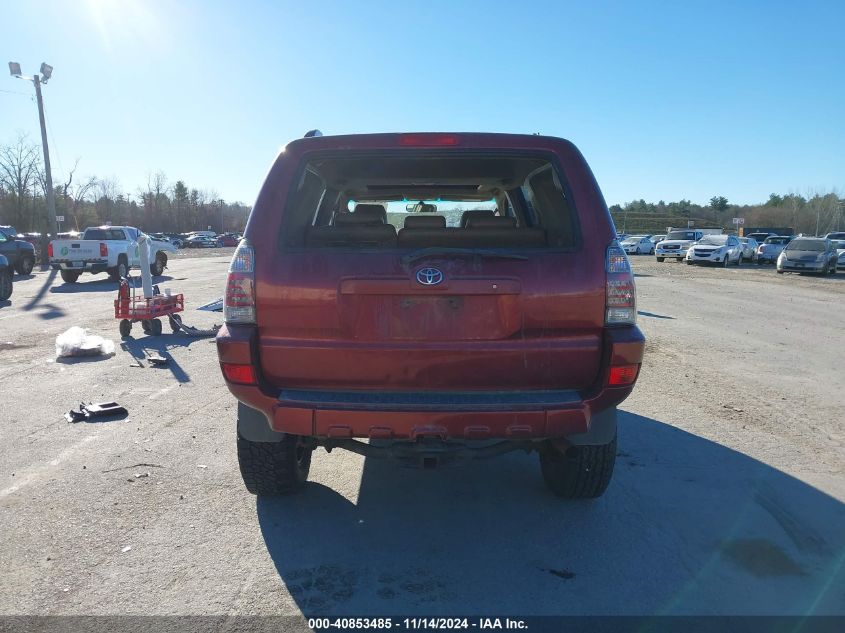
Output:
(665, 99)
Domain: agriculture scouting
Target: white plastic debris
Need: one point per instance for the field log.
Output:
(78, 342)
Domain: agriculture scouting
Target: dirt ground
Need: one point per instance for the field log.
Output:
(727, 497)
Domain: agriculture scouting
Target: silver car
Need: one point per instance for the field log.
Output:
(839, 245)
(808, 255)
(768, 251)
(749, 249)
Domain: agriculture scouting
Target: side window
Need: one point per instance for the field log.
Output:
(2, 237)
(545, 200)
(301, 215)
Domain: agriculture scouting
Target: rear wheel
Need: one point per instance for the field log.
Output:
(155, 327)
(158, 266)
(660, 259)
(69, 276)
(582, 472)
(5, 284)
(25, 265)
(274, 468)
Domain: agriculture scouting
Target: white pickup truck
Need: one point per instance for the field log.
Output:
(111, 249)
(678, 241)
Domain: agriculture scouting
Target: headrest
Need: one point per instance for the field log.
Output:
(376, 212)
(466, 215)
(425, 222)
(347, 219)
(491, 222)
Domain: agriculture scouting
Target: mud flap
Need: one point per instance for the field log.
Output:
(602, 430)
(253, 426)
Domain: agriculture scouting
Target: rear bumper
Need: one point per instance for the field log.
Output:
(476, 415)
(94, 266)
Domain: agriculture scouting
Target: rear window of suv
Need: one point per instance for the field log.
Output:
(461, 199)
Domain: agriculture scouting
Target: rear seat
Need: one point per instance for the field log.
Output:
(366, 226)
(482, 230)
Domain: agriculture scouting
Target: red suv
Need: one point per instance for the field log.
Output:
(443, 296)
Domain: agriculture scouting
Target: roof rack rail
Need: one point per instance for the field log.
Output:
(312, 133)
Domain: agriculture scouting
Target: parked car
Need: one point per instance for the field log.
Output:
(837, 235)
(111, 249)
(678, 242)
(839, 245)
(749, 248)
(656, 239)
(808, 255)
(443, 339)
(19, 254)
(715, 249)
(637, 245)
(201, 241)
(6, 273)
(768, 251)
(228, 239)
(759, 237)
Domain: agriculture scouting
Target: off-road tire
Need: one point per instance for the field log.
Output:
(155, 327)
(583, 472)
(158, 266)
(69, 276)
(274, 468)
(25, 265)
(6, 285)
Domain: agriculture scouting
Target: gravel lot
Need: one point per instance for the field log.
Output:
(727, 498)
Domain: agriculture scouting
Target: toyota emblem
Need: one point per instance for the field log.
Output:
(429, 276)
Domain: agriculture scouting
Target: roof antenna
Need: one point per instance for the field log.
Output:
(313, 133)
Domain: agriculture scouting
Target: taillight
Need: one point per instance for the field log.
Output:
(622, 375)
(50, 249)
(104, 250)
(239, 374)
(239, 301)
(621, 294)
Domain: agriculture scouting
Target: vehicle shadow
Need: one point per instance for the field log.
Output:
(5, 303)
(102, 285)
(19, 278)
(688, 526)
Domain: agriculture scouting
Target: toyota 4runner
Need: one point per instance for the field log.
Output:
(430, 298)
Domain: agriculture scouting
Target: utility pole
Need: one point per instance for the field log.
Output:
(37, 80)
(51, 198)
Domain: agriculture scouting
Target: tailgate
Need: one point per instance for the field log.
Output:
(489, 325)
(76, 250)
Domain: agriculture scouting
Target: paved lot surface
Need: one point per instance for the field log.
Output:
(727, 498)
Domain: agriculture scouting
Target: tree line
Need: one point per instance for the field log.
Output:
(158, 206)
(815, 213)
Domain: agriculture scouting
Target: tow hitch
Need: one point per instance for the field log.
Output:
(430, 453)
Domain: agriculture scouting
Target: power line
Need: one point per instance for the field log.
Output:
(15, 92)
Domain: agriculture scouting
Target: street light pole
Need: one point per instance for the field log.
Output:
(51, 200)
(37, 80)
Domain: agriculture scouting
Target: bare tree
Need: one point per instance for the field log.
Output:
(75, 195)
(19, 164)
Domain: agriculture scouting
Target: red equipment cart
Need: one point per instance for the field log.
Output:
(130, 308)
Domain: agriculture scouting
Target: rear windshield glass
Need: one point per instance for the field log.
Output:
(461, 200)
(103, 234)
(806, 245)
(777, 240)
